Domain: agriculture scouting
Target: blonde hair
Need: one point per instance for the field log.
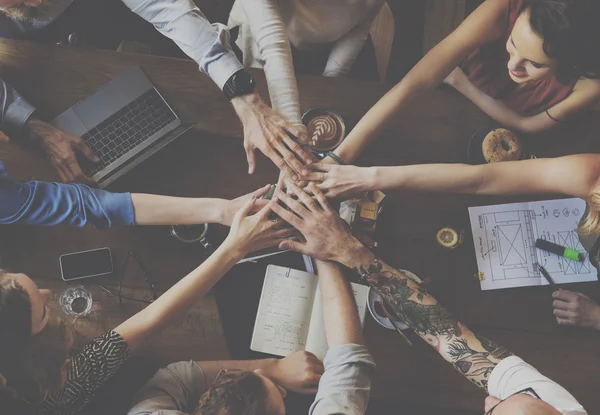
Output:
(31, 366)
(591, 223)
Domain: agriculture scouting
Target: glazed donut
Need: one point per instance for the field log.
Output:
(501, 145)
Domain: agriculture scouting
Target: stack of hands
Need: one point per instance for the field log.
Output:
(306, 223)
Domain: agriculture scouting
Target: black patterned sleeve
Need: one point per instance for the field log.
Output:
(97, 362)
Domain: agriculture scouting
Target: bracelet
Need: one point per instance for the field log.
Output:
(336, 158)
(554, 119)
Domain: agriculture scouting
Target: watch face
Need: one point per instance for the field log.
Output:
(240, 83)
(244, 82)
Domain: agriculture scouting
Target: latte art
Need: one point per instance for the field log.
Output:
(325, 132)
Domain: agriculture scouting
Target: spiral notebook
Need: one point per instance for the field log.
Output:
(290, 313)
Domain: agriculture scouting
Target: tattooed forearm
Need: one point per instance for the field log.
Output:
(494, 349)
(408, 303)
(471, 363)
(473, 356)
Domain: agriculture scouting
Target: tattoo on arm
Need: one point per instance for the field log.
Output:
(473, 356)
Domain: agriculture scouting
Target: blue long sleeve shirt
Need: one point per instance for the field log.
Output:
(48, 204)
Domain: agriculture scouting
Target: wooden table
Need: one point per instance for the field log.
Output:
(206, 163)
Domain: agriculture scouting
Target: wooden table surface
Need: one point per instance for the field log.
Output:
(211, 162)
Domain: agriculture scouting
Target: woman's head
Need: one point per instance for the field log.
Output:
(591, 223)
(34, 347)
(559, 38)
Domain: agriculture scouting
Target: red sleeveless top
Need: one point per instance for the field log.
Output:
(486, 68)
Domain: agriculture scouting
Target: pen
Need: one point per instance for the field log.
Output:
(559, 250)
(546, 275)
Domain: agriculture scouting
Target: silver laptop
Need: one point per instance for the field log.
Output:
(124, 123)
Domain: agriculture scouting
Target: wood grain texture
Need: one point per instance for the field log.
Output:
(441, 18)
(210, 162)
(382, 35)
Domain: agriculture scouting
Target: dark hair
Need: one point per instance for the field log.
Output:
(15, 328)
(571, 34)
(235, 393)
(31, 367)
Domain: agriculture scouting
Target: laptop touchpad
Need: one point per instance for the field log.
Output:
(126, 87)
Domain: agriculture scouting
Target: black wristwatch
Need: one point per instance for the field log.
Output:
(240, 83)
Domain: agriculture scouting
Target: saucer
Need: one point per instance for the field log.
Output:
(374, 296)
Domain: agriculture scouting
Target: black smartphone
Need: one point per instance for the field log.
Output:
(86, 264)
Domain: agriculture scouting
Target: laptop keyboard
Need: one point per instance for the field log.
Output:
(126, 128)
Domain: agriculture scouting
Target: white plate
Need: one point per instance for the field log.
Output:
(374, 296)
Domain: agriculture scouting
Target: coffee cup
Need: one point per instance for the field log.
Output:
(326, 129)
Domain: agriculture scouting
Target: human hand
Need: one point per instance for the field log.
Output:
(253, 232)
(232, 206)
(61, 148)
(327, 236)
(340, 181)
(267, 130)
(4, 138)
(576, 309)
(456, 77)
(299, 372)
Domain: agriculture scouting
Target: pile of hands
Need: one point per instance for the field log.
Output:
(299, 219)
(306, 223)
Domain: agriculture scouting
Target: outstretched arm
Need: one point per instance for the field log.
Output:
(342, 325)
(167, 210)
(183, 23)
(328, 238)
(485, 24)
(537, 176)
(49, 204)
(585, 93)
(247, 233)
(346, 384)
(268, 30)
(473, 356)
(208, 44)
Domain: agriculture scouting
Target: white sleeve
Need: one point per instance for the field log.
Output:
(268, 30)
(513, 374)
(345, 51)
(182, 22)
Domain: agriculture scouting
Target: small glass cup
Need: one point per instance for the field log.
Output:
(76, 301)
(192, 234)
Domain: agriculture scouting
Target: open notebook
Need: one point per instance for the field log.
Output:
(290, 313)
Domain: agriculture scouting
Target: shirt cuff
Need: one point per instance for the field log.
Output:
(118, 209)
(223, 68)
(343, 354)
(494, 382)
(17, 114)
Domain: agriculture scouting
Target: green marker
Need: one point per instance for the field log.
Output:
(270, 193)
(560, 250)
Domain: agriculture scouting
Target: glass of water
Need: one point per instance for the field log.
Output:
(76, 301)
